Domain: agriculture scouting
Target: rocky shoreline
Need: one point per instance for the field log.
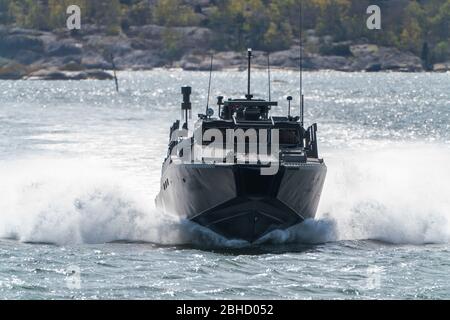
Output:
(61, 55)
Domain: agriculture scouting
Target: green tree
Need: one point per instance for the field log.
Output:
(261, 24)
(277, 37)
(171, 40)
(331, 19)
(173, 13)
(37, 13)
(105, 13)
(412, 35)
(440, 23)
(441, 52)
(5, 17)
(139, 13)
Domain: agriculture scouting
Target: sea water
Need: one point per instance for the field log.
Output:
(80, 167)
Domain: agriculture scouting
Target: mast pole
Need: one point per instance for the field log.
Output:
(114, 72)
(249, 53)
(209, 84)
(301, 67)
(268, 73)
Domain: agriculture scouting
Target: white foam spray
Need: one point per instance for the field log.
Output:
(73, 201)
(397, 195)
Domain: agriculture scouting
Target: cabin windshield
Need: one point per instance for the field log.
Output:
(289, 137)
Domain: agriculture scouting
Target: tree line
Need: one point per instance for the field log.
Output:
(419, 26)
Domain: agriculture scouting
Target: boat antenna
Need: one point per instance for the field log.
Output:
(289, 99)
(249, 54)
(114, 71)
(186, 106)
(302, 108)
(268, 72)
(209, 85)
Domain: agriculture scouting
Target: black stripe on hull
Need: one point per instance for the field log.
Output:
(239, 203)
(247, 219)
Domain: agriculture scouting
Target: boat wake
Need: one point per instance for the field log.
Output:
(85, 202)
(396, 196)
(70, 201)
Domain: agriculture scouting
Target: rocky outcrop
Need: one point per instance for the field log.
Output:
(374, 58)
(202, 61)
(82, 55)
(12, 70)
(442, 67)
(55, 74)
(367, 57)
(63, 48)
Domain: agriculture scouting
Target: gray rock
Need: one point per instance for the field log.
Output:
(116, 45)
(48, 63)
(194, 37)
(56, 62)
(287, 58)
(27, 56)
(12, 71)
(337, 49)
(92, 60)
(144, 47)
(140, 59)
(189, 37)
(71, 59)
(48, 74)
(310, 33)
(55, 74)
(73, 66)
(149, 31)
(199, 62)
(86, 29)
(99, 75)
(327, 39)
(442, 67)
(317, 62)
(375, 67)
(10, 45)
(4, 61)
(230, 59)
(371, 57)
(64, 48)
(313, 40)
(20, 31)
(146, 44)
(47, 38)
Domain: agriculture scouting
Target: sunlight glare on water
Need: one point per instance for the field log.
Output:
(80, 168)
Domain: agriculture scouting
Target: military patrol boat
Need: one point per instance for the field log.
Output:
(267, 175)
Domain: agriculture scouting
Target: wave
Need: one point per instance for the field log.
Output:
(396, 195)
(72, 201)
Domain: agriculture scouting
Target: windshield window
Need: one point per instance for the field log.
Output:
(289, 136)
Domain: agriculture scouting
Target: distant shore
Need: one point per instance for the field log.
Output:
(61, 55)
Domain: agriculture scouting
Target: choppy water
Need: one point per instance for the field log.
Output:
(80, 167)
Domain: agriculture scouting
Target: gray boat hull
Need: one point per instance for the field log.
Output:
(237, 202)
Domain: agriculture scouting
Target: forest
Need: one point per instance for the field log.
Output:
(409, 25)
